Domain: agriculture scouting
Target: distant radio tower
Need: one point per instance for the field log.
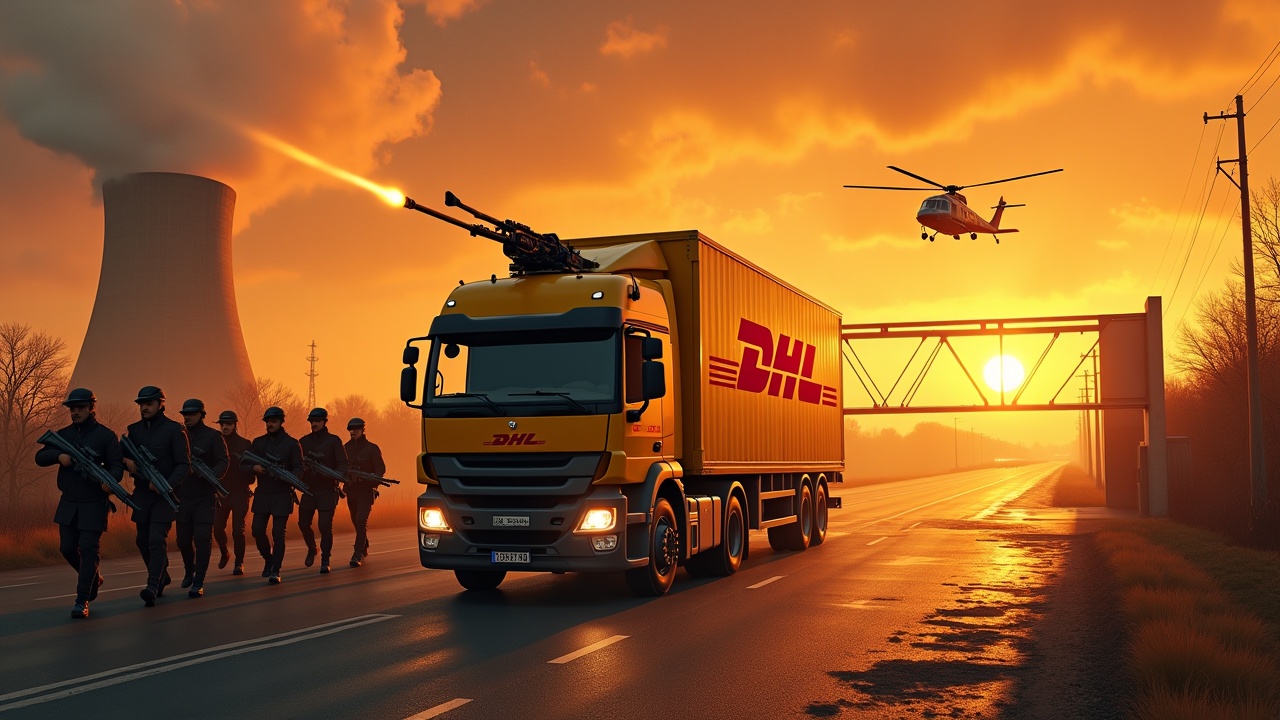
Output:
(311, 375)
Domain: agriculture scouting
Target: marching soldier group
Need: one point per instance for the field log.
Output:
(170, 487)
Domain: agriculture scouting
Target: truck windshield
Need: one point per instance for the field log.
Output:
(553, 372)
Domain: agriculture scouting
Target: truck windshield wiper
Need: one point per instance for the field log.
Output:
(496, 407)
(585, 410)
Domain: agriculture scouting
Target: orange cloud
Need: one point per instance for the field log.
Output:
(625, 41)
(538, 76)
(442, 11)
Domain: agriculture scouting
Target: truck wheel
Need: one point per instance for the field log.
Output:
(655, 578)
(819, 515)
(796, 535)
(726, 558)
(480, 580)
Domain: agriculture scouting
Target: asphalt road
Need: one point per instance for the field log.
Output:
(921, 602)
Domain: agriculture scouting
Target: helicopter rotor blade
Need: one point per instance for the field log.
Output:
(918, 177)
(887, 187)
(1007, 205)
(1019, 177)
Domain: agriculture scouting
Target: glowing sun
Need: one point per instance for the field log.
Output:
(1013, 373)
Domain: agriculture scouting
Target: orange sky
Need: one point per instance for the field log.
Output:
(588, 118)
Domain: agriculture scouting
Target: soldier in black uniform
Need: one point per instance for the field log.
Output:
(198, 497)
(366, 457)
(274, 498)
(167, 441)
(323, 447)
(82, 510)
(236, 505)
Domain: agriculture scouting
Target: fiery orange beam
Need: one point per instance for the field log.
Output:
(390, 195)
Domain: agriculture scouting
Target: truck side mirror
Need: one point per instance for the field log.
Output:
(409, 381)
(410, 355)
(653, 378)
(651, 348)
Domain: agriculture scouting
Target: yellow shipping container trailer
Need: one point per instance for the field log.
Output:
(636, 417)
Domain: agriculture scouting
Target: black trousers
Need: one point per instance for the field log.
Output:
(272, 549)
(80, 548)
(195, 542)
(235, 509)
(152, 540)
(308, 508)
(359, 504)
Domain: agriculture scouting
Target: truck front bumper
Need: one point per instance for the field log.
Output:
(546, 534)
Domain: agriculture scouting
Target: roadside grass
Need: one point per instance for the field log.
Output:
(1197, 647)
(1075, 488)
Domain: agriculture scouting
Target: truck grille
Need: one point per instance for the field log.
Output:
(514, 502)
(522, 538)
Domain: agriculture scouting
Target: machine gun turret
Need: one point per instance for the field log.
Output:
(530, 252)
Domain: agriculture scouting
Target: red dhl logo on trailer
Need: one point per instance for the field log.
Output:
(783, 370)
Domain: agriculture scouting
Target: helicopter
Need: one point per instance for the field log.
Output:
(949, 213)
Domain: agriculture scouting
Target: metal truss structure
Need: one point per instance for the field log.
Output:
(934, 337)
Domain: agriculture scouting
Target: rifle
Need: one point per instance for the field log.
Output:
(323, 470)
(370, 477)
(82, 459)
(146, 464)
(276, 470)
(206, 473)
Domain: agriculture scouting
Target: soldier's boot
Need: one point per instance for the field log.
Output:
(238, 569)
(80, 611)
(311, 556)
(355, 559)
(224, 558)
(324, 565)
(266, 569)
(164, 583)
(197, 588)
(148, 595)
(275, 578)
(93, 594)
(188, 577)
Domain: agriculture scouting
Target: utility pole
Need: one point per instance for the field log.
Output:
(1257, 454)
(312, 374)
(955, 441)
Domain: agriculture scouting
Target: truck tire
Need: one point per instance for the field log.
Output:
(480, 580)
(819, 515)
(796, 535)
(726, 558)
(656, 578)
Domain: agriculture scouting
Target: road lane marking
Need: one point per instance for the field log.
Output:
(119, 589)
(586, 650)
(873, 542)
(440, 709)
(935, 502)
(762, 583)
(411, 547)
(76, 686)
(6, 587)
(835, 534)
(916, 525)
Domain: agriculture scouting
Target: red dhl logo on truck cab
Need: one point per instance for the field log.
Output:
(515, 439)
(784, 370)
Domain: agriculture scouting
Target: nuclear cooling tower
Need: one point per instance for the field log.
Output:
(166, 307)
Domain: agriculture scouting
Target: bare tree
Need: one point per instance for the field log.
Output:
(33, 380)
(348, 406)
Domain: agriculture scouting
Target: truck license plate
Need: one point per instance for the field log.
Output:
(510, 557)
(511, 521)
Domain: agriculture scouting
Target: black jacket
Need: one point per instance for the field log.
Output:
(238, 478)
(105, 446)
(282, 448)
(208, 445)
(365, 456)
(325, 448)
(167, 440)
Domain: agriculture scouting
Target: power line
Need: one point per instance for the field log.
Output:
(1268, 132)
(1194, 236)
(1262, 68)
(1195, 160)
(1205, 270)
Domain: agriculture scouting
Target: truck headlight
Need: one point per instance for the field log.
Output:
(597, 520)
(431, 518)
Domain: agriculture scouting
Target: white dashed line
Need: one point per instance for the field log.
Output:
(587, 650)
(873, 542)
(119, 589)
(6, 587)
(913, 527)
(762, 583)
(440, 709)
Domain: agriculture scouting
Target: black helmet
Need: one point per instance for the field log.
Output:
(80, 396)
(355, 422)
(273, 412)
(228, 416)
(149, 393)
(192, 406)
(318, 414)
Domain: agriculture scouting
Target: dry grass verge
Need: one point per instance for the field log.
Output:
(1075, 488)
(1194, 652)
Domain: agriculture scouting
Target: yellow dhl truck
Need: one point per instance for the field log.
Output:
(638, 408)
